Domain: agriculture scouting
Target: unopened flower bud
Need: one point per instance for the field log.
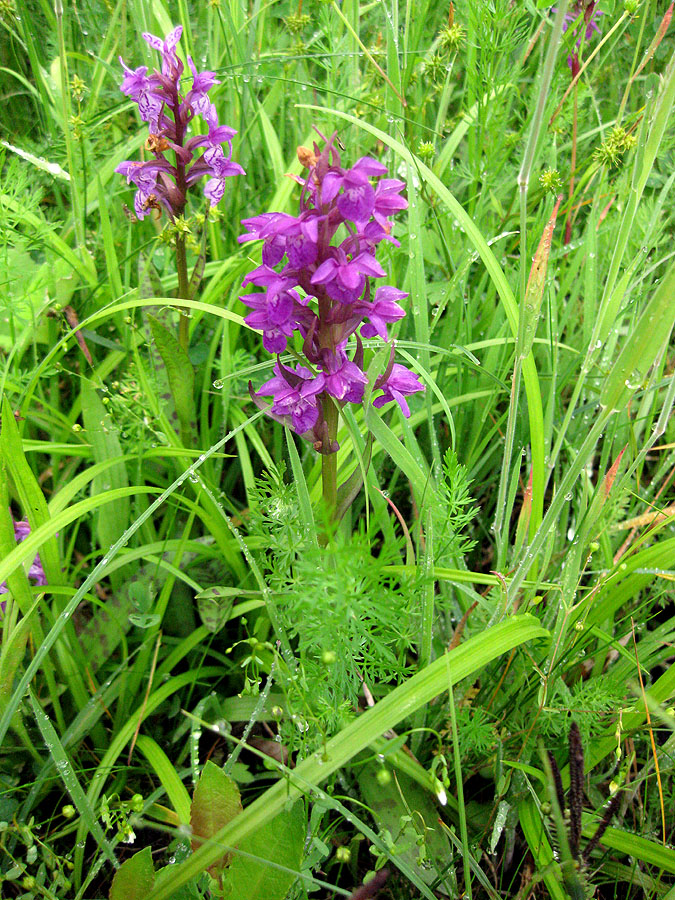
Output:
(343, 854)
(68, 811)
(426, 150)
(77, 87)
(306, 157)
(383, 776)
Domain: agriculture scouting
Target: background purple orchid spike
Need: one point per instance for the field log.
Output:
(160, 183)
(587, 9)
(36, 572)
(323, 292)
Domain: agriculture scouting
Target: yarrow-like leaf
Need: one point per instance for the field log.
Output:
(323, 291)
(160, 183)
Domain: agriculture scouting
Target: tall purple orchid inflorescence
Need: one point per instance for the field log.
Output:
(316, 274)
(160, 182)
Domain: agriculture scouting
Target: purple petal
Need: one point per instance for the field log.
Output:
(330, 186)
(369, 166)
(356, 202)
(325, 272)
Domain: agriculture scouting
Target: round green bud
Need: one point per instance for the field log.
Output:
(28, 882)
(328, 657)
(68, 811)
(343, 854)
(383, 776)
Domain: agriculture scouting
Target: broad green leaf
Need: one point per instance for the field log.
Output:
(418, 477)
(408, 811)
(634, 845)
(38, 539)
(134, 878)
(68, 515)
(180, 373)
(214, 611)
(17, 582)
(215, 803)
(279, 841)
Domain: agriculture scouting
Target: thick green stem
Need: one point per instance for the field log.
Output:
(183, 286)
(329, 460)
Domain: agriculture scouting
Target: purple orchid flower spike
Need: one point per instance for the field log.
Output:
(161, 184)
(319, 287)
(36, 572)
(587, 10)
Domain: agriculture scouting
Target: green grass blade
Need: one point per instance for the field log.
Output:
(70, 780)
